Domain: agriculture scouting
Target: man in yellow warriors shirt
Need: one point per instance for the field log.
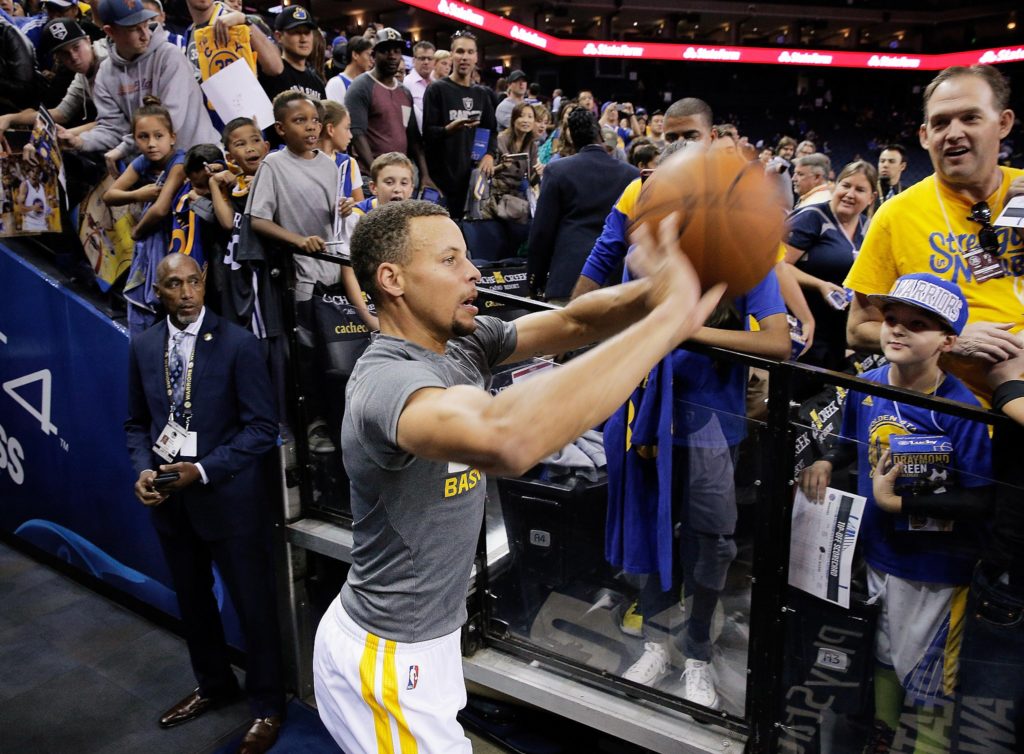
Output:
(942, 225)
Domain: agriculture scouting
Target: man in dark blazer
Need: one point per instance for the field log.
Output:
(575, 198)
(209, 376)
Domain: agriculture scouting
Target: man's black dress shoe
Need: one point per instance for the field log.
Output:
(192, 706)
(261, 735)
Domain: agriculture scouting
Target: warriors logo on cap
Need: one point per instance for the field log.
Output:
(931, 293)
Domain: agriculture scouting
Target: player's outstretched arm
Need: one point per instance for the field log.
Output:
(588, 319)
(510, 432)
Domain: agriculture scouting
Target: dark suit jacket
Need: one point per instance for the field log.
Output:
(576, 195)
(233, 413)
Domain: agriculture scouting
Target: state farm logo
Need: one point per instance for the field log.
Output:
(460, 12)
(710, 53)
(530, 37)
(893, 61)
(625, 51)
(1002, 56)
(805, 58)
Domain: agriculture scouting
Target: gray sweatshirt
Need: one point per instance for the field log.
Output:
(162, 71)
(73, 106)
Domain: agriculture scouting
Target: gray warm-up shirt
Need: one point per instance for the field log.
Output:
(415, 522)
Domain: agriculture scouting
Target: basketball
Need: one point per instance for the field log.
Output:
(731, 215)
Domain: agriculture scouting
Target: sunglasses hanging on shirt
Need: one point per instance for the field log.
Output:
(982, 258)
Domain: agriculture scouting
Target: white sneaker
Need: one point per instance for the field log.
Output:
(319, 438)
(699, 684)
(651, 667)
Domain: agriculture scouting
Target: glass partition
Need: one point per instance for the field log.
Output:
(673, 554)
(639, 571)
(886, 645)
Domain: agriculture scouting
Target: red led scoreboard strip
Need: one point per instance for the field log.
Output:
(585, 48)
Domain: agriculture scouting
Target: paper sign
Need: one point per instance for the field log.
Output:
(1013, 214)
(235, 92)
(821, 544)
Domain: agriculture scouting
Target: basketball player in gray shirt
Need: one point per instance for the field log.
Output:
(421, 430)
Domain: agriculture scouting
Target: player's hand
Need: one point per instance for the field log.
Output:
(814, 479)
(487, 165)
(673, 280)
(346, 205)
(311, 244)
(188, 474)
(883, 484)
(989, 341)
(145, 491)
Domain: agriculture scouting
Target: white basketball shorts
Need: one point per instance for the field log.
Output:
(377, 696)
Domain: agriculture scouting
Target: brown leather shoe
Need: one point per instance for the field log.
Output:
(261, 735)
(192, 706)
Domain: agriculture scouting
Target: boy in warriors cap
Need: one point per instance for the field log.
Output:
(917, 571)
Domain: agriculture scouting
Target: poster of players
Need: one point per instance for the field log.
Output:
(29, 198)
(106, 234)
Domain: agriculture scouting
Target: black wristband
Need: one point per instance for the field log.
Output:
(1008, 391)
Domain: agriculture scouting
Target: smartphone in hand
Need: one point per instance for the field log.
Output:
(166, 478)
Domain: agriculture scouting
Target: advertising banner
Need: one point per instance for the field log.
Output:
(466, 14)
(65, 478)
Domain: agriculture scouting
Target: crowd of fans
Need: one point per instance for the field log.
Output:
(557, 176)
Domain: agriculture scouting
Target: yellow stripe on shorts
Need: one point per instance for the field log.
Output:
(406, 740)
(367, 676)
(957, 614)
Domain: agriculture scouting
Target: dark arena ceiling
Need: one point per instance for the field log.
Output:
(892, 26)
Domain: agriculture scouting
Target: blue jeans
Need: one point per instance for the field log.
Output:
(990, 696)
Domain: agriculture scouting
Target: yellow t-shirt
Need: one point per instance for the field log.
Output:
(212, 57)
(909, 233)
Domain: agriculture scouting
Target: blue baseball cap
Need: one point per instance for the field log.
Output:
(123, 12)
(936, 296)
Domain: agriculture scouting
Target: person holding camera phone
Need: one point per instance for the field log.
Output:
(459, 126)
(201, 417)
(515, 172)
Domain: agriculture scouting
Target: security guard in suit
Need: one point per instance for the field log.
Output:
(201, 416)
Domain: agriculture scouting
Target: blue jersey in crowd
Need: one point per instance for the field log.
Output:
(936, 557)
